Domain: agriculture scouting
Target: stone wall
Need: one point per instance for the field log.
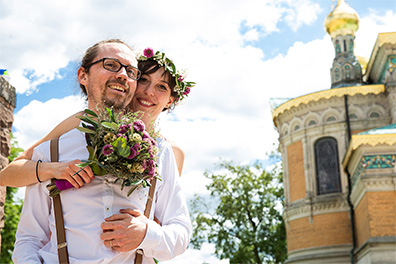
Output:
(7, 105)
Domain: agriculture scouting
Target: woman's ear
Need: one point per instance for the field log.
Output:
(171, 100)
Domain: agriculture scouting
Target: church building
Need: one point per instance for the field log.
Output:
(338, 148)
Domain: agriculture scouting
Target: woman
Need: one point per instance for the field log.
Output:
(157, 90)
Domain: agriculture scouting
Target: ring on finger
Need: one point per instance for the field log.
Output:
(111, 243)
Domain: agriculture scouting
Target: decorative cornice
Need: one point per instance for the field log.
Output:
(372, 140)
(383, 38)
(327, 94)
(305, 208)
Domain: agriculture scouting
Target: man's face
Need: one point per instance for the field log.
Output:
(105, 87)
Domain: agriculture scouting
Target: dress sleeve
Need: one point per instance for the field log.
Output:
(172, 238)
(33, 229)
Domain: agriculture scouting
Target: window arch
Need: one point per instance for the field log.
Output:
(327, 166)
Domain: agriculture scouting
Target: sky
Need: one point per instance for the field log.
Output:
(240, 54)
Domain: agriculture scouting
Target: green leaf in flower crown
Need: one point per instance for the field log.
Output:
(86, 130)
(90, 112)
(121, 146)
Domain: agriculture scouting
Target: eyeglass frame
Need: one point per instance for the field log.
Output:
(139, 73)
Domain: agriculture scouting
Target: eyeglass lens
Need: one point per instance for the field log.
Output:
(115, 66)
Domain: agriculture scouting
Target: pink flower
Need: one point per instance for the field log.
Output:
(180, 79)
(187, 91)
(148, 52)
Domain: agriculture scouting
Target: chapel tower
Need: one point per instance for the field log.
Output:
(339, 154)
(341, 24)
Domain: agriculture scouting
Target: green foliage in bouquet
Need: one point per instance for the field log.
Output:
(118, 144)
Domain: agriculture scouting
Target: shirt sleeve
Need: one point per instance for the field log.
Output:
(33, 229)
(172, 238)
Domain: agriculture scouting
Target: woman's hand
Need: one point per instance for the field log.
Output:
(67, 171)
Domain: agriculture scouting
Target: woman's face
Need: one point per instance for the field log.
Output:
(152, 95)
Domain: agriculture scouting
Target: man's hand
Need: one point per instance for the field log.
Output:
(124, 232)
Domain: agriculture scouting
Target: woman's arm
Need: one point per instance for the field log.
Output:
(22, 171)
(179, 156)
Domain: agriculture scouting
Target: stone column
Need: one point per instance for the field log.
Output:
(7, 105)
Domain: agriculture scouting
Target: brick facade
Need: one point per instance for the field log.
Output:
(375, 216)
(324, 230)
(296, 172)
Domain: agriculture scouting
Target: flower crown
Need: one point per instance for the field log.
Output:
(183, 87)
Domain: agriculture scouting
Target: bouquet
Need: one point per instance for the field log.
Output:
(118, 144)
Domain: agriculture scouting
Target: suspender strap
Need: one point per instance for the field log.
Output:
(60, 226)
(139, 252)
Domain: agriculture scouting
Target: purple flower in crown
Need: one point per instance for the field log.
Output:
(187, 91)
(139, 126)
(133, 153)
(180, 79)
(148, 52)
(123, 129)
(108, 150)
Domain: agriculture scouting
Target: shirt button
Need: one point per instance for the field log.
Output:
(107, 208)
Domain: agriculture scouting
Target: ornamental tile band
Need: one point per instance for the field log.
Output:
(368, 162)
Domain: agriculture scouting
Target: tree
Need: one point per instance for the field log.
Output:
(12, 212)
(245, 222)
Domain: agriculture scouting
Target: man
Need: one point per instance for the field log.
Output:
(103, 224)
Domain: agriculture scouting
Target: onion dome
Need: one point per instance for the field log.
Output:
(343, 20)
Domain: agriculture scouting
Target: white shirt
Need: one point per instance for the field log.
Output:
(86, 208)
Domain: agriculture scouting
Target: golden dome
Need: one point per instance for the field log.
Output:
(343, 20)
(363, 62)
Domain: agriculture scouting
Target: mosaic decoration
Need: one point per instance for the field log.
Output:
(389, 67)
(373, 162)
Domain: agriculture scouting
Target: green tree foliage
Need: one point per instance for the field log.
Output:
(242, 215)
(12, 211)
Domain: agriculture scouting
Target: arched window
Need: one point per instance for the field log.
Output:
(327, 166)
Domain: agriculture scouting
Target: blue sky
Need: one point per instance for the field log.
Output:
(240, 54)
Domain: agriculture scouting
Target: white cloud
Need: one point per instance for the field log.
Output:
(36, 119)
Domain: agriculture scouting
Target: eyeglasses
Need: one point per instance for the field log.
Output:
(114, 65)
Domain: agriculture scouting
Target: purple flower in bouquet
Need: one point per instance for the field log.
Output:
(153, 142)
(133, 154)
(139, 126)
(122, 135)
(145, 135)
(108, 150)
(123, 129)
(137, 147)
